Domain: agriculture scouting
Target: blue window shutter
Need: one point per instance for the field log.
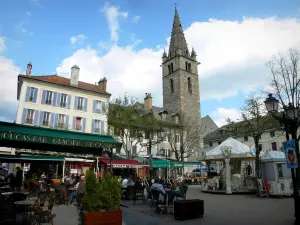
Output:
(56, 120)
(93, 126)
(54, 98)
(52, 115)
(83, 124)
(76, 102)
(44, 96)
(85, 104)
(74, 123)
(36, 117)
(41, 118)
(69, 101)
(94, 105)
(28, 93)
(102, 127)
(67, 122)
(24, 115)
(58, 99)
(35, 94)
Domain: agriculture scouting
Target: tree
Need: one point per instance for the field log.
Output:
(127, 121)
(285, 85)
(184, 136)
(254, 123)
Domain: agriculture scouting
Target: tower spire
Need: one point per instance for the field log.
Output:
(177, 37)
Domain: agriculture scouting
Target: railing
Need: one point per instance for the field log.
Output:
(48, 102)
(61, 125)
(78, 127)
(45, 123)
(63, 105)
(30, 121)
(31, 98)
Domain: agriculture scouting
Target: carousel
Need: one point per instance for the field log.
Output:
(236, 172)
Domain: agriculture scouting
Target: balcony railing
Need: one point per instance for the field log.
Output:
(80, 107)
(45, 123)
(30, 121)
(48, 102)
(31, 98)
(63, 105)
(97, 130)
(78, 127)
(61, 125)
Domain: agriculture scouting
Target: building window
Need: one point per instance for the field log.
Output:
(171, 85)
(63, 100)
(246, 138)
(176, 119)
(49, 95)
(163, 116)
(31, 94)
(98, 107)
(272, 133)
(177, 138)
(170, 68)
(46, 119)
(148, 150)
(133, 150)
(78, 125)
(190, 85)
(274, 146)
(61, 121)
(97, 126)
(80, 103)
(210, 144)
(30, 116)
(187, 66)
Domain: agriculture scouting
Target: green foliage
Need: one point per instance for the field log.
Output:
(102, 197)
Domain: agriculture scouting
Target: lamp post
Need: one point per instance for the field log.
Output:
(289, 121)
(160, 135)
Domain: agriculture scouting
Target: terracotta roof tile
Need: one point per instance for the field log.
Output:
(54, 79)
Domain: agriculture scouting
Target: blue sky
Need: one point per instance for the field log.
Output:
(123, 40)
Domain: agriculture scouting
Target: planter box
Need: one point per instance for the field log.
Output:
(103, 218)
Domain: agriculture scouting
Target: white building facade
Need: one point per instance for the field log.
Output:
(61, 103)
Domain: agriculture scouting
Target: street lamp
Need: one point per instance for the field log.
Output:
(161, 133)
(289, 122)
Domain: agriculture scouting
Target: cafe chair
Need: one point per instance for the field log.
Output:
(160, 206)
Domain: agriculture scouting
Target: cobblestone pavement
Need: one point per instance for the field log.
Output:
(219, 210)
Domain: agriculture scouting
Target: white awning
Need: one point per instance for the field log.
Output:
(79, 160)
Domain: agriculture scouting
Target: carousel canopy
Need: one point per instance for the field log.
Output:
(273, 156)
(232, 147)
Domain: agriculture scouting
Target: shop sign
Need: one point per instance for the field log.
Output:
(54, 140)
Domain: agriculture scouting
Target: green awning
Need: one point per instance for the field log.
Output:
(27, 158)
(159, 163)
(46, 139)
(176, 164)
(193, 164)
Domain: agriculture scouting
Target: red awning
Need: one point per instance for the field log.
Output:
(122, 163)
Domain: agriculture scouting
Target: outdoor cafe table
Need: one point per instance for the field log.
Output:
(25, 204)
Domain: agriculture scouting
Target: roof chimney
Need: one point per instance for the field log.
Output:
(148, 101)
(29, 67)
(74, 75)
(103, 84)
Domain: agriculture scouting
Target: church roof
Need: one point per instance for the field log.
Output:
(177, 37)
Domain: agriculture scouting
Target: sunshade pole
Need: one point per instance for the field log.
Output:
(63, 174)
(97, 165)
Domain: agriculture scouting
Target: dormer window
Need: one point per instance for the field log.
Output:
(163, 116)
(171, 85)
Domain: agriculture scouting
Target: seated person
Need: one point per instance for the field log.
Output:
(159, 187)
(74, 194)
(138, 185)
(183, 187)
(125, 183)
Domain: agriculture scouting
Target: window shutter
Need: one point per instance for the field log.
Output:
(24, 115)
(85, 104)
(36, 117)
(94, 105)
(74, 123)
(56, 120)
(52, 115)
(43, 96)
(83, 124)
(27, 93)
(69, 101)
(58, 99)
(67, 122)
(76, 102)
(54, 96)
(93, 125)
(102, 127)
(41, 117)
(35, 93)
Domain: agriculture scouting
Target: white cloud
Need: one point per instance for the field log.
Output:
(77, 39)
(2, 44)
(28, 13)
(136, 19)
(113, 14)
(221, 115)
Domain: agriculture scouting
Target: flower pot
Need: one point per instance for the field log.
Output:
(103, 218)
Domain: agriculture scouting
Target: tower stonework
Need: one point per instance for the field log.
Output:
(181, 91)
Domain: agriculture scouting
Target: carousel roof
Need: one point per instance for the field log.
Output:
(273, 156)
(238, 150)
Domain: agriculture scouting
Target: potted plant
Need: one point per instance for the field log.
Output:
(102, 201)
